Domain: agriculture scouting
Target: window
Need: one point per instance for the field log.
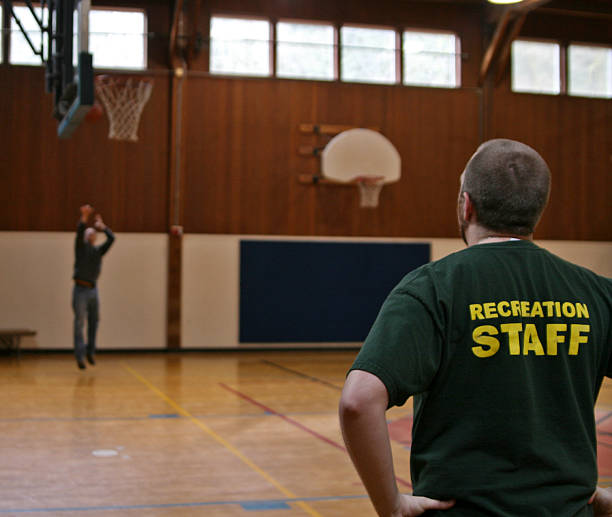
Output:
(368, 55)
(239, 46)
(117, 39)
(431, 59)
(305, 50)
(20, 51)
(589, 71)
(536, 67)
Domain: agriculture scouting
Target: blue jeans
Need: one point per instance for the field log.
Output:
(85, 305)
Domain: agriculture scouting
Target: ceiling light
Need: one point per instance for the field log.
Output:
(504, 1)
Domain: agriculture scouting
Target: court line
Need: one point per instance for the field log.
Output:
(207, 416)
(604, 418)
(222, 441)
(295, 423)
(252, 504)
(303, 375)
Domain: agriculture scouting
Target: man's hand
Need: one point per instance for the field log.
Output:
(411, 506)
(602, 502)
(99, 223)
(86, 211)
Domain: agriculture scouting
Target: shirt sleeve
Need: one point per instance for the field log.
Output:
(110, 238)
(80, 233)
(403, 348)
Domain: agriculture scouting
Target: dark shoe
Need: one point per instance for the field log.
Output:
(80, 362)
(90, 358)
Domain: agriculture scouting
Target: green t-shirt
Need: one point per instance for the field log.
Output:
(504, 347)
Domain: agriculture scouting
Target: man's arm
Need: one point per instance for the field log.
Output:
(86, 211)
(362, 410)
(110, 236)
(602, 502)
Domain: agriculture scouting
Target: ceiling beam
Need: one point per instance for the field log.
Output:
(529, 5)
(172, 43)
(504, 54)
(508, 28)
(496, 43)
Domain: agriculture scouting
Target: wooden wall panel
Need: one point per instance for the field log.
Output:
(45, 179)
(242, 163)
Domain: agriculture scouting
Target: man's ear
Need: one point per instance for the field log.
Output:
(469, 211)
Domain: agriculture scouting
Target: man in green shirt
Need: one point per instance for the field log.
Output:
(504, 347)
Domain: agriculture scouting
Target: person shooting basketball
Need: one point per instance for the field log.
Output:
(504, 347)
(87, 266)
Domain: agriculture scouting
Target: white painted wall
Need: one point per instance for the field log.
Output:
(36, 286)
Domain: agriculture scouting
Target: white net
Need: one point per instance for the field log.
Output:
(369, 190)
(123, 100)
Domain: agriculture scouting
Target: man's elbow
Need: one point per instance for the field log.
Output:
(354, 404)
(351, 406)
(362, 390)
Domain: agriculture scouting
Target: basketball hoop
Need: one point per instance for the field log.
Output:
(124, 97)
(369, 190)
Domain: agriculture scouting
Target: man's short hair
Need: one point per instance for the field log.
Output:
(509, 184)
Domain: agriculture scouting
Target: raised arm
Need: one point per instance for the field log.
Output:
(364, 427)
(110, 236)
(86, 211)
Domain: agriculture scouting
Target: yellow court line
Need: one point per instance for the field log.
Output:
(219, 439)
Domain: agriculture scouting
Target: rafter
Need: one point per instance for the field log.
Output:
(508, 28)
(172, 43)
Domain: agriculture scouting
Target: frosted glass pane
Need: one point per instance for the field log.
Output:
(368, 55)
(590, 71)
(430, 59)
(536, 67)
(20, 52)
(239, 46)
(304, 50)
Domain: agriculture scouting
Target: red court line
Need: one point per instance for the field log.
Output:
(296, 424)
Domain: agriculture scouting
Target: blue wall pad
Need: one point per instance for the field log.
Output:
(292, 292)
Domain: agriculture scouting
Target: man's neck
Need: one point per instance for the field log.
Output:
(479, 235)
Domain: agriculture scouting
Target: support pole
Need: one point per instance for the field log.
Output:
(175, 233)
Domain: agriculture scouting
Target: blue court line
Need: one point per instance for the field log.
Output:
(252, 505)
(303, 375)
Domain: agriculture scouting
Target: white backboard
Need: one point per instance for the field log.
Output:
(360, 152)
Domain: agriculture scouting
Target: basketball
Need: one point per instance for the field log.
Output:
(94, 113)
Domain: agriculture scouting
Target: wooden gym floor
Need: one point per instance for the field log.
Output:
(216, 434)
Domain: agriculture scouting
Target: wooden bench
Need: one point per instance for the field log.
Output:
(11, 338)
